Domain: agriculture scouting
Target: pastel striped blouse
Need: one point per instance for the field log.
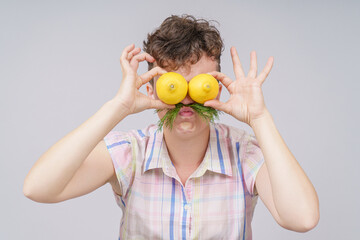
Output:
(217, 202)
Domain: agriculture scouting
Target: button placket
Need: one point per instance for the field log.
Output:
(188, 191)
(188, 194)
(187, 206)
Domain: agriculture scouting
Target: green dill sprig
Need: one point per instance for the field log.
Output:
(209, 114)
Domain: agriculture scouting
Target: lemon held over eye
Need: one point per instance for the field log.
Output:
(171, 88)
(203, 87)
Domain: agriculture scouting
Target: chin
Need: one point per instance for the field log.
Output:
(189, 127)
(185, 127)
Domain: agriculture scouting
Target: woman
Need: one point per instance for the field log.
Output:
(197, 180)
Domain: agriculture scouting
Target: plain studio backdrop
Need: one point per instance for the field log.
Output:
(59, 64)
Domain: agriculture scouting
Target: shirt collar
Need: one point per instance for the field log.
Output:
(216, 157)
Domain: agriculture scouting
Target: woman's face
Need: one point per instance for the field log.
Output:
(188, 122)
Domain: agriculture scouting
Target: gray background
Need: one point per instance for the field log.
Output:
(60, 63)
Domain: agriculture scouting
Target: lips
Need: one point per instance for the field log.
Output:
(186, 111)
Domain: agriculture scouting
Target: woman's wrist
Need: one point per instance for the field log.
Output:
(259, 120)
(118, 107)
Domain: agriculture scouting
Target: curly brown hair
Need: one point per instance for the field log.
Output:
(182, 40)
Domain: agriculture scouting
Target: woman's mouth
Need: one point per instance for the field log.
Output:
(186, 112)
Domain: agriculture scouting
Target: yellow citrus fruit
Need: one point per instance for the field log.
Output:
(203, 87)
(171, 87)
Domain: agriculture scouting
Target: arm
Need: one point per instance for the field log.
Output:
(68, 169)
(293, 197)
(281, 183)
(79, 163)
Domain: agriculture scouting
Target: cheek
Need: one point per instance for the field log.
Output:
(161, 114)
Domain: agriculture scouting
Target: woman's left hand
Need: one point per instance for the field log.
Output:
(246, 102)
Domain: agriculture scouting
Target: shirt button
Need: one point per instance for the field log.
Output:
(187, 206)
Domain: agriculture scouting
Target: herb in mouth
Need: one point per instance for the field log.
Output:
(209, 114)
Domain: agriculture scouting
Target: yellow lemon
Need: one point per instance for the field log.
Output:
(203, 87)
(171, 87)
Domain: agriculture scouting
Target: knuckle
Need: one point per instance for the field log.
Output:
(158, 69)
(139, 57)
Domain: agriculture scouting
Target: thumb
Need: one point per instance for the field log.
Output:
(154, 103)
(215, 104)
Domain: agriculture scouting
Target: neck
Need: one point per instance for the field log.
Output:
(189, 151)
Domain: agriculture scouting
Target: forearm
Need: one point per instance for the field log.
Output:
(55, 168)
(293, 193)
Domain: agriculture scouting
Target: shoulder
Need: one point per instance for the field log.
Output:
(233, 133)
(131, 137)
(238, 139)
(127, 150)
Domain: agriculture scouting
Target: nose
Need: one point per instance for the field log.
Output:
(187, 100)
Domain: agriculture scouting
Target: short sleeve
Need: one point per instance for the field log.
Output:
(252, 161)
(119, 146)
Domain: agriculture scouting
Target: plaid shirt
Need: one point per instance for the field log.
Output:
(217, 202)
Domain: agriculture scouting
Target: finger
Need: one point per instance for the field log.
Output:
(126, 51)
(265, 72)
(134, 52)
(253, 65)
(216, 104)
(225, 80)
(146, 77)
(139, 58)
(238, 70)
(155, 103)
(124, 63)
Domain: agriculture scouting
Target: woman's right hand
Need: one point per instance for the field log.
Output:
(129, 96)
